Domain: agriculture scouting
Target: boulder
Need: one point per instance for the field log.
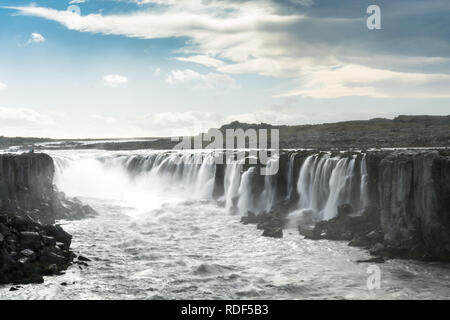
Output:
(251, 218)
(81, 258)
(27, 253)
(273, 233)
(30, 240)
(49, 241)
(58, 234)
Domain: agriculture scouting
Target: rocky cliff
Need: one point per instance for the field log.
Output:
(30, 244)
(406, 214)
(26, 188)
(414, 202)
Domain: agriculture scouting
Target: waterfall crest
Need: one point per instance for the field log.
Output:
(314, 182)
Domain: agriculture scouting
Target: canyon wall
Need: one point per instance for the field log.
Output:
(31, 246)
(26, 188)
(414, 201)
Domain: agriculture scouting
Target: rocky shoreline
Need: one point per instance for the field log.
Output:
(31, 244)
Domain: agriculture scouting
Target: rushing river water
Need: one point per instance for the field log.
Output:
(156, 239)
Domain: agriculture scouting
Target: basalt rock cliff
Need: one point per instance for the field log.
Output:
(31, 245)
(405, 212)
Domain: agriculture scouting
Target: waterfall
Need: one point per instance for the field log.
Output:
(364, 188)
(324, 181)
(290, 176)
(246, 199)
(232, 182)
(313, 184)
(268, 196)
(340, 187)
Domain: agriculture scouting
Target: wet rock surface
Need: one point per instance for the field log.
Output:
(26, 188)
(31, 245)
(271, 223)
(407, 214)
(30, 250)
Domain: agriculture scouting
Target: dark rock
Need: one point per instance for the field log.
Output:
(58, 234)
(4, 230)
(30, 240)
(372, 260)
(49, 241)
(30, 246)
(273, 233)
(307, 231)
(51, 270)
(4, 218)
(251, 218)
(360, 241)
(35, 278)
(28, 254)
(414, 190)
(81, 258)
(50, 258)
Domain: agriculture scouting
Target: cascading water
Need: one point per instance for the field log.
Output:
(364, 188)
(290, 176)
(232, 182)
(156, 238)
(324, 181)
(340, 187)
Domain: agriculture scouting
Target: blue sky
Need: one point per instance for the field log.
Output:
(128, 68)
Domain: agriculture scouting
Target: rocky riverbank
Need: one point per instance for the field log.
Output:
(31, 245)
(407, 214)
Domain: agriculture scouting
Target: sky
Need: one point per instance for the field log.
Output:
(143, 68)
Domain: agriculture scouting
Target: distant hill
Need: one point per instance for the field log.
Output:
(402, 131)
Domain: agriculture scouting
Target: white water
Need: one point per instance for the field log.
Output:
(326, 182)
(159, 234)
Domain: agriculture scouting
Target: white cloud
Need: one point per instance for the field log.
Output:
(77, 1)
(2, 86)
(114, 80)
(247, 37)
(356, 80)
(27, 122)
(203, 60)
(215, 81)
(36, 38)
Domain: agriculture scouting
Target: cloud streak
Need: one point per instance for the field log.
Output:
(241, 37)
